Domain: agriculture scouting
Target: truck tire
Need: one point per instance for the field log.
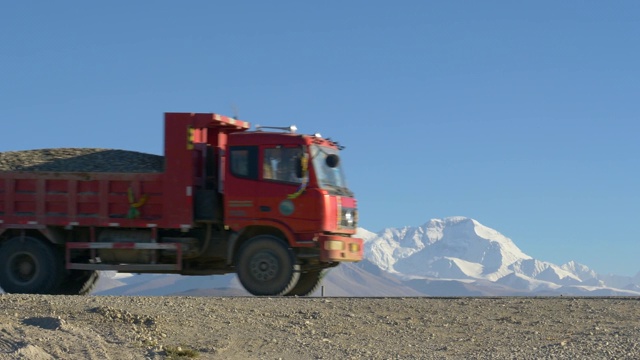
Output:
(30, 266)
(266, 266)
(78, 282)
(308, 283)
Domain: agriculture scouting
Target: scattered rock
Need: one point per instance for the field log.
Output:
(48, 323)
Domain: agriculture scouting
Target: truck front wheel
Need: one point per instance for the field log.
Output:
(308, 283)
(266, 266)
(29, 266)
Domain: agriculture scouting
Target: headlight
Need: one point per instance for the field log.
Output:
(348, 216)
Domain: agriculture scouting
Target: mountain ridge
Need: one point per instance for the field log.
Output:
(459, 248)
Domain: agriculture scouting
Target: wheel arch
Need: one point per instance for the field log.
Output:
(268, 228)
(46, 234)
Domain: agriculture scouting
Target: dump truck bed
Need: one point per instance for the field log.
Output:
(88, 199)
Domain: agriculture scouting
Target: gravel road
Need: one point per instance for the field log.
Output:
(103, 327)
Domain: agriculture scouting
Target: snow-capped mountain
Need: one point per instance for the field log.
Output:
(455, 248)
(459, 249)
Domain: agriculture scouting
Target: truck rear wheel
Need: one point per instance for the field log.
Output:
(307, 284)
(266, 266)
(29, 266)
(78, 282)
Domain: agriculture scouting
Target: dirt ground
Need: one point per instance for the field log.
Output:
(103, 327)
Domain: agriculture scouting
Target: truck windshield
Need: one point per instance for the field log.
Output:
(329, 178)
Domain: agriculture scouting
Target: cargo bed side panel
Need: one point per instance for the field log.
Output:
(36, 199)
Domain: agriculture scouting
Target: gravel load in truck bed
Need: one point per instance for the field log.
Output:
(81, 160)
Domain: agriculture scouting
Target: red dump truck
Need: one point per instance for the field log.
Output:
(271, 206)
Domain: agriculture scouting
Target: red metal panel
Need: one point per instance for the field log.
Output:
(187, 136)
(179, 172)
(98, 200)
(103, 204)
(39, 196)
(3, 194)
(9, 196)
(72, 198)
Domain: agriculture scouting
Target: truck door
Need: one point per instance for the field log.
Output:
(241, 186)
(279, 186)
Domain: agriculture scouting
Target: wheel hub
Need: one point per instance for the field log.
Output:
(23, 268)
(264, 267)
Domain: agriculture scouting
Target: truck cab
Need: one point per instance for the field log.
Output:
(292, 187)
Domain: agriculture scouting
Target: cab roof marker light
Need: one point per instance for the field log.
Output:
(291, 129)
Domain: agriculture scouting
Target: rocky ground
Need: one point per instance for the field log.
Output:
(103, 327)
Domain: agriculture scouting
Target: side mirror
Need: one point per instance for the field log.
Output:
(332, 160)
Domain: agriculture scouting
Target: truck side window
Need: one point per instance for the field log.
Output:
(279, 163)
(244, 161)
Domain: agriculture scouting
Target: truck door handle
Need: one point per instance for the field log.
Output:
(265, 208)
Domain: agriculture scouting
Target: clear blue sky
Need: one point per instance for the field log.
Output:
(523, 115)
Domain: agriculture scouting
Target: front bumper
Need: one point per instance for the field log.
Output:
(340, 248)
